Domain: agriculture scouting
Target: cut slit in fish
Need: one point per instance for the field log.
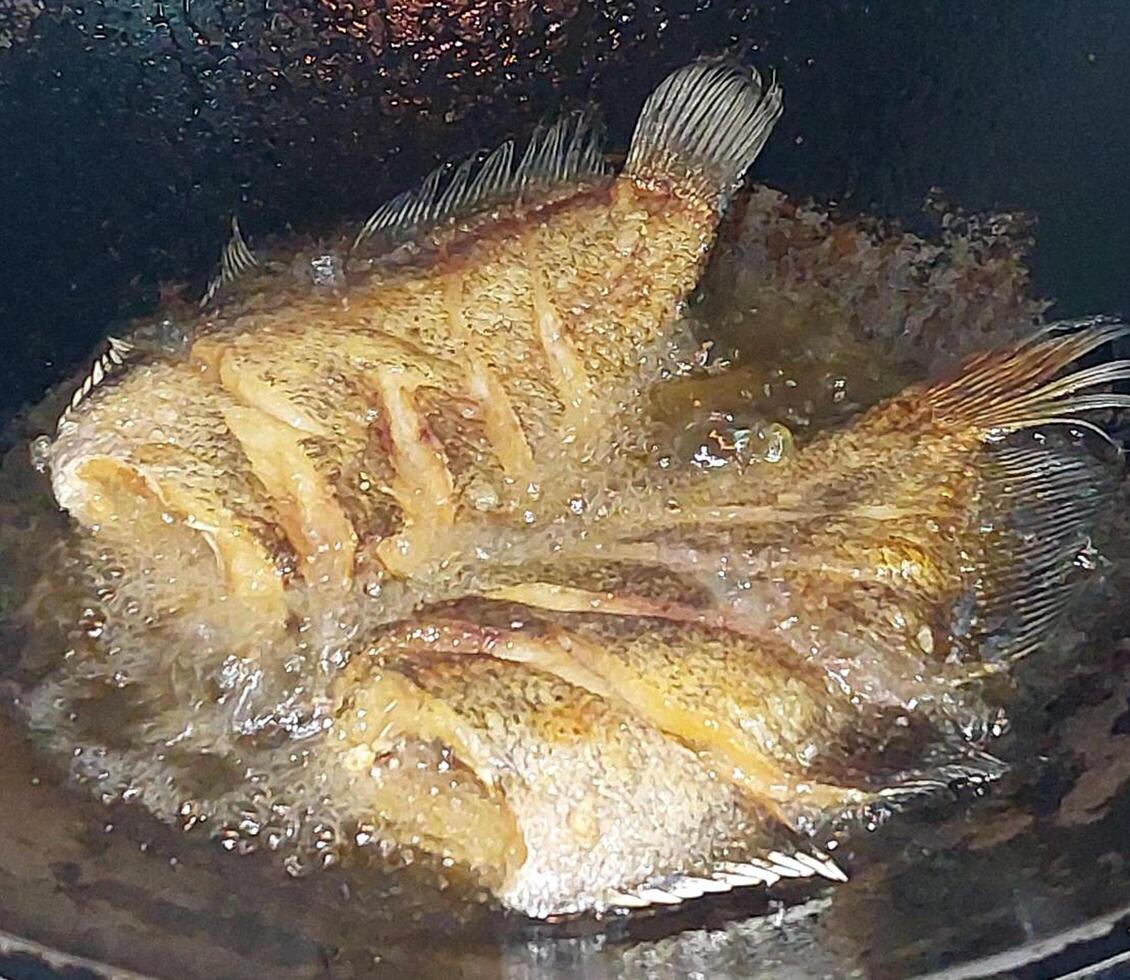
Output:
(661, 675)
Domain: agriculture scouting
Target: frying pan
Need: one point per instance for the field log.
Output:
(131, 133)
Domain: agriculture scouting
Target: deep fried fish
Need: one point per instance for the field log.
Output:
(399, 473)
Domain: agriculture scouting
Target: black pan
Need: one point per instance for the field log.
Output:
(132, 131)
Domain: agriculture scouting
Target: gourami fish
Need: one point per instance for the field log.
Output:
(340, 421)
(385, 540)
(815, 635)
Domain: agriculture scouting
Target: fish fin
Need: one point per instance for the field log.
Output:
(235, 260)
(108, 363)
(971, 767)
(761, 871)
(963, 768)
(113, 359)
(1039, 504)
(1037, 492)
(1040, 496)
(1021, 387)
(562, 155)
(703, 127)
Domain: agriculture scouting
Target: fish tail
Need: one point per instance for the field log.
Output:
(976, 496)
(702, 128)
(1038, 492)
(1039, 501)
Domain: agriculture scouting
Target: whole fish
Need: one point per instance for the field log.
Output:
(815, 635)
(384, 536)
(336, 419)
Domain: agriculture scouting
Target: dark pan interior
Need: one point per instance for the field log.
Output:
(132, 132)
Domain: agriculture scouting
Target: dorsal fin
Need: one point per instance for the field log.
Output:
(162, 338)
(703, 127)
(567, 153)
(236, 259)
(111, 360)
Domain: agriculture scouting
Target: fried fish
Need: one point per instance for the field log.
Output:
(815, 635)
(350, 412)
(386, 541)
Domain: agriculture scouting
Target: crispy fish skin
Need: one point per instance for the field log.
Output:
(121, 467)
(602, 800)
(385, 410)
(794, 728)
(467, 380)
(931, 541)
(755, 715)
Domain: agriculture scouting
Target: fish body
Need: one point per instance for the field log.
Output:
(397, 475)
(798, 633)
(379, 404)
